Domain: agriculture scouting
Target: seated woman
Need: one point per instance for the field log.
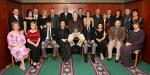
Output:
(100, 34)
(134, 42)
(62, 36)
(16, 44)
(33, 39)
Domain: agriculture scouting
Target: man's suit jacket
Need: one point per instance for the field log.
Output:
(66, 18)
(54, 20)
(89, 35)
(97, 20)
(44, 34)
(111, 20)
(12, 19)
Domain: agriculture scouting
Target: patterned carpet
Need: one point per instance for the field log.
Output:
(99, 67)
(35, 71)
(67, 68)
(136, 71)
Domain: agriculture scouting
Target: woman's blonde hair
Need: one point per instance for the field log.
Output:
(13, 23)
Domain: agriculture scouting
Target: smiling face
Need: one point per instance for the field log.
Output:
(136, 26)
(117, 23)
(127, 11)
(16, 12)
(65, 9)
(15, 26)
(135, 13)
(88, 14)
(33, 25)
(62, 23)
(100, 26)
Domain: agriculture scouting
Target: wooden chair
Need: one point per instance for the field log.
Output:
(28, 59)
(137, 58)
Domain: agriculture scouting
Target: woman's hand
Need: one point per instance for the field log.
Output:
(128, 44)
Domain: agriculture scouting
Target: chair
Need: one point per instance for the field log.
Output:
(28, 59)
(137, 58)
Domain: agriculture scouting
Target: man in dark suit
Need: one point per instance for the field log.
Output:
(97, 18)
(62, 36)
(36, 16)
(66, 16)
(80, 14)
(111, 18)
(15, 17)
(88, 33)
(54, 19)
(48, 37)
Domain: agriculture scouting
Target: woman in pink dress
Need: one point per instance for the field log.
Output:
(16, 44)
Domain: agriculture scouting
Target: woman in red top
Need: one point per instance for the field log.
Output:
(33, 39)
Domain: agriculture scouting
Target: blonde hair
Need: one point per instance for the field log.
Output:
(13, 23)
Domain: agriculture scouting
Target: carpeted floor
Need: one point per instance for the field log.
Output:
(78, 67)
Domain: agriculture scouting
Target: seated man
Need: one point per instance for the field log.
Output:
(116, 35)
(62, 36)
(75, 26)
(88, 32)
(48, 40)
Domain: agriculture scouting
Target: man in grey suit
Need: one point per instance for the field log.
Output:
(54, 19)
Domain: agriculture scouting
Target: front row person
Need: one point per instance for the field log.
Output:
(100, 40)
(134, 44)
(75, 27)
(116, 35)
(33, 39)
(49, 40)
(88, 33)
(62, 36)
(16, 44)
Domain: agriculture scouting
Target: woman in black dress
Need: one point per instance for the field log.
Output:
(43, 19)
(28, 20)
(134, 44)
(101, 40)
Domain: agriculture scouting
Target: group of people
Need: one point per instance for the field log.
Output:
(100, 32)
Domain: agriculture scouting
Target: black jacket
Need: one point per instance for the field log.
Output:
(89, 35)
(12, 19)
(44, 34)
(54, 20)
(97, 20)
(66, 19)
(62, 33)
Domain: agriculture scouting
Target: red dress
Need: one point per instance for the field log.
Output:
(33, 36)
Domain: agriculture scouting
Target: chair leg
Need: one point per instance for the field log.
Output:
(136, 60)
(12, 60)
(29, 58)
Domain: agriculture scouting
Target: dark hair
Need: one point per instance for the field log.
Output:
(118, 20)
(28, 11)
(87, 12)
(101, 24)
(135, 10)
(119, 11)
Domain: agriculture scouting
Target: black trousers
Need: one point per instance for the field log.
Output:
(35, 52)
(65, 49)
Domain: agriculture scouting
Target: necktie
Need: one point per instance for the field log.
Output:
(49, 33)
